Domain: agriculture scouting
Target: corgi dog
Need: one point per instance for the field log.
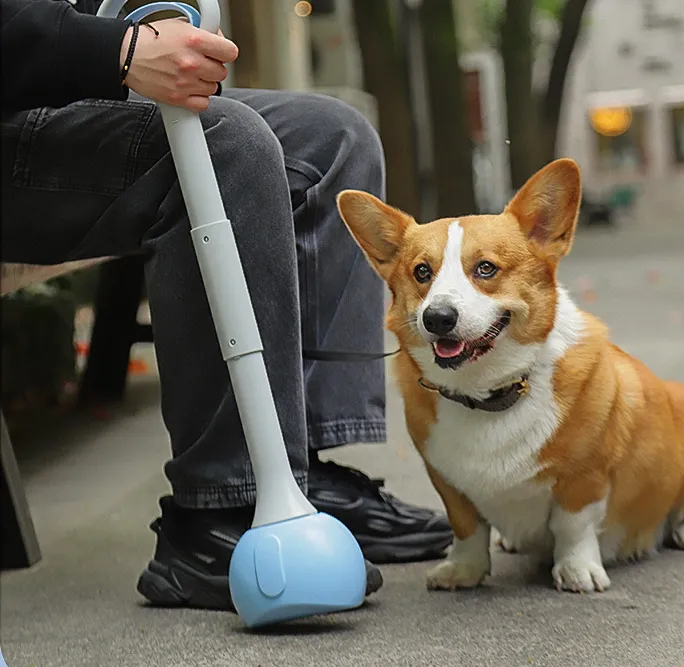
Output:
(528, 419)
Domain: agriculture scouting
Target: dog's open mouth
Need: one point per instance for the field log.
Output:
(452, 352)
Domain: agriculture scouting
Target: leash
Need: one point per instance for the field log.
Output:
(498, 400)
(345, 356)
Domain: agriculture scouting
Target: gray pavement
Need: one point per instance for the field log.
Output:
(93, 488)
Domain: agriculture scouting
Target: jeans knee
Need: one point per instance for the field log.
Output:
(337, 128)
(237, 134)
(339, 117)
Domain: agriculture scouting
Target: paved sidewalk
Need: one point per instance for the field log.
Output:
(97, 492)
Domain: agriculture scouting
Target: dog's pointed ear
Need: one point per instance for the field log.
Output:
(547, 206)
(378, 228)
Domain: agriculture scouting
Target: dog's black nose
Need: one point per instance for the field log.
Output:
(440, 319)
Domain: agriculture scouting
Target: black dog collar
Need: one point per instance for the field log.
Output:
(498, 400)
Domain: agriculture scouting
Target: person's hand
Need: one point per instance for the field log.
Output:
(181, 66)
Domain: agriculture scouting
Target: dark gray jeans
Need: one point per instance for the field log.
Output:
(96, 178)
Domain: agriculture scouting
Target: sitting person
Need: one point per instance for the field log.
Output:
(86, 172)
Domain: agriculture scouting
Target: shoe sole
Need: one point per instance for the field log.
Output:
(406, 548)
(178, 585)
(164, 586)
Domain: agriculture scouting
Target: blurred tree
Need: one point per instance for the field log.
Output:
(532, 115)
(243, 29)
(515, 43)
(384, 76)
(570, 16)
(452, 146)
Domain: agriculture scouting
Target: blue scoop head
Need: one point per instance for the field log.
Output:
(296, 568)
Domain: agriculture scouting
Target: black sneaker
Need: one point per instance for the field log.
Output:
(194, 547)
(387, 529)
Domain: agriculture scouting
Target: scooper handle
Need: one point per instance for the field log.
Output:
(278, 496)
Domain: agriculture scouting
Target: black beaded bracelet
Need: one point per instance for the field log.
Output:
(129, 55)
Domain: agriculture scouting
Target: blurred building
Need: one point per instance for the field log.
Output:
(305, 45)
(279, 55)
(335, 57)
(624, 105)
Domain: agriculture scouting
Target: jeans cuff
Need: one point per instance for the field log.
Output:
(236, 494)
(325, 435)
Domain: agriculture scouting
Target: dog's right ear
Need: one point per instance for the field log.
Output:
(547, 206)
(376, 227)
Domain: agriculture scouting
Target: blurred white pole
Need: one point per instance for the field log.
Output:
(412, 37)
(283, 45)
(229, 81)
(292, 44)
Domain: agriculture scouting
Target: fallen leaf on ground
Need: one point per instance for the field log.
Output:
(81, 347)
(101, 414)
(676, 316)
(653, 276)
(589, 296)
(138, 367)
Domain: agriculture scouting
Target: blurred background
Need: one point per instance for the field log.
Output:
(472, 96)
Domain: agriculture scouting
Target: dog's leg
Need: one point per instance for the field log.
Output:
(466, 565)
(504, 544)
(577, 556)
(469, 560)
(677, 532)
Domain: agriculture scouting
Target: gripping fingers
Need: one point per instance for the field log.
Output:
(196, 103)
(204, 88)
(212, 70)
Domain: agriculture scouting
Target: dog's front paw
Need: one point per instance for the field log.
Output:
(506, 545)
(450, 575)
(580, 576)
(677, 535)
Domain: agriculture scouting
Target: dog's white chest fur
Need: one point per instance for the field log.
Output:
(493, 457)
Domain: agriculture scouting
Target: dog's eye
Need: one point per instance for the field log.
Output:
(422, 273)
(486, 269)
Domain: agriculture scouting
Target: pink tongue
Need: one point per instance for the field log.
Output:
(448, 349)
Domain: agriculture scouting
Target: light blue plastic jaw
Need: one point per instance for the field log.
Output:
(297, 568)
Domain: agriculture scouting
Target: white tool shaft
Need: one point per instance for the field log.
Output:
(278, 496)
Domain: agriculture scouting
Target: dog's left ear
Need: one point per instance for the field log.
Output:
(379, 229)
(547, 206)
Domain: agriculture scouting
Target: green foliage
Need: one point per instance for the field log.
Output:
(550, 8)
(38, 355)
(490, 15)
(82, 284)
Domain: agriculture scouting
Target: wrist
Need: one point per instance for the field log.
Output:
(128, 58)
(125, 45)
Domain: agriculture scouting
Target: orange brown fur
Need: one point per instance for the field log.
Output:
(620, 432)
